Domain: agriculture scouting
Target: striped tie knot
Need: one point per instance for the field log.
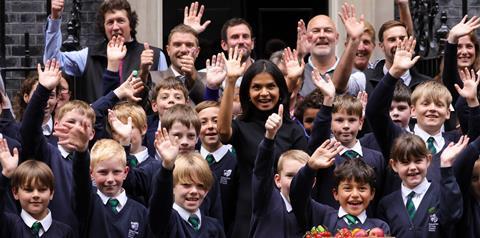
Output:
(431, 146)
(113, 203)
(36, 229)
(210, 159)
(351, 219)
(194, 221)
(410, 206)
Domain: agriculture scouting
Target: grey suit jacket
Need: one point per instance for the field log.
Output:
(196, 88)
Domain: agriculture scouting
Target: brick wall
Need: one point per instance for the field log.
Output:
(30, 16)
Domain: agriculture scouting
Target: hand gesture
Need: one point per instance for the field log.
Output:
(122, 132)
(74, 136)
(166, 148)
(57, 8)
(216, 72)
(463, 28)
(353, 27)
(470, 84)
(450, 153)
(51, 75)
(187, 64)
(363, 97)
(273, 123)
(116, 50)
(303, 44)
(146, 58)
(324, 156)
(8, 161)
(128, 89)
(325, 85)
(193, 17)
(403, 57)
(294, 66)
(234, 65)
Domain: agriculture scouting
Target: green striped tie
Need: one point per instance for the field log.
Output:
(210, 159)
(36, 229)
(430, 145)
(113, 203)
(410, 206)
(350, 154)
(194, 221)
(351, 220)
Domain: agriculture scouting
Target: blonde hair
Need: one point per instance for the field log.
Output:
(192, 168)
(351, 105)
(106, 149)
(297, 155)
(433, 91)
(123, 110)
(33, 173)
(79, 106)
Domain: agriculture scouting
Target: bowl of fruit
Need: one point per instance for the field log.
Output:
(322, 232)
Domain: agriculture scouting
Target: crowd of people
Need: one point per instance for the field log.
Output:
(244, 147)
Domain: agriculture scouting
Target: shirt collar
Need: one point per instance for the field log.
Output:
(218, 154)
(122, 198)
(310, 62)
(357, 148)
(288, 206)
(362, 217)
(419, 189)
(29, 220)
(184, 214)
(175, 72)
(142, 155)
(424, 135)
(63, 152)
(406, 77)
(47, 128)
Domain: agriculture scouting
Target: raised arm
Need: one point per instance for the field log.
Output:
(354, 28)
(295, 67)
(377, 111)
(235, 69)
(467, 113)
(34, 143)
(160, 211)
(406, 16)
(321, 130)
(193, 17)
(215, 76)
(262, 181)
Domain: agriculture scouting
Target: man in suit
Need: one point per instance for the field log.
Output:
(183, 49)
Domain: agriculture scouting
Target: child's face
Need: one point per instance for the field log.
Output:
(264, 92)
(284, 178)
(400, 113)
(308, 118)
(34, 200)
(353, 197)
(476, 180)
(136, 138)
(431, 115)
(412, 172)
(166, 98)
(345, 127)
(208, 131)
(74, 117)
(109, 175)
(187, 136)
(189, 196)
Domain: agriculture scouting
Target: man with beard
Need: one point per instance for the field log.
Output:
(391, 33)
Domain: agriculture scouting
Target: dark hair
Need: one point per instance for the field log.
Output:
(258, 67)
(355, 170)
(19, 105)
(387, 25)
(234, 22)
(312, 100)
(110, 6)
(32, 173)
(408, 147)
(402, 93)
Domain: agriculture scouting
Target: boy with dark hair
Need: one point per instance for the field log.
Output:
(354, 190)
(307, 109)
(184, 181)
(221, 159)
(32, 185)
(167, 92)
(341, 116)
(422, 208)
